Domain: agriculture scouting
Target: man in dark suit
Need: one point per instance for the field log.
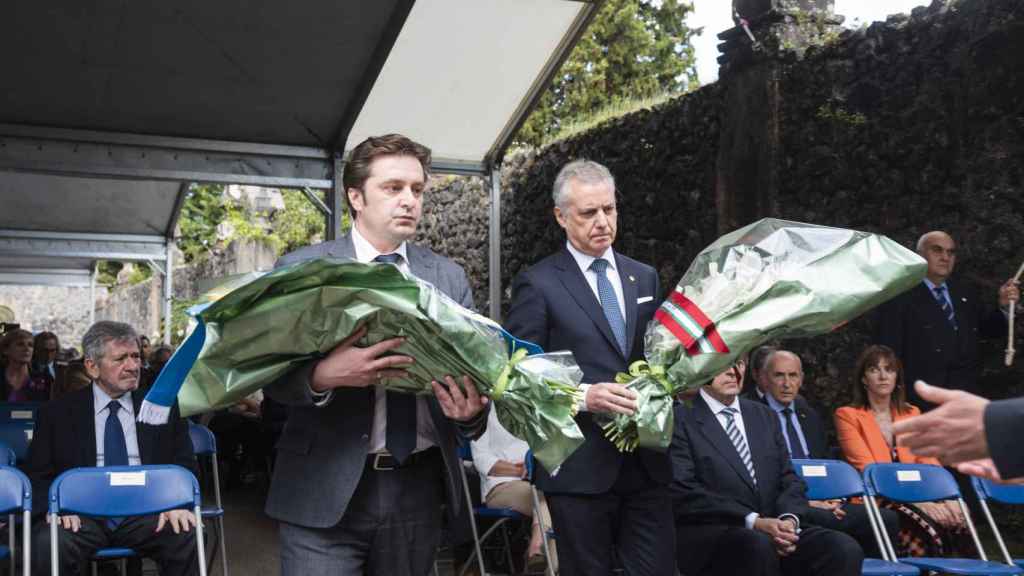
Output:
(739, 506)
(361, 472)
(596, 302)
(805, 437)
(934, 327)
(96, 426)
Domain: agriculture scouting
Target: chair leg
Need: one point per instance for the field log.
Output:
(123, 565)
(95, 570)
(11, 529)
(508, 549)
(223, 546)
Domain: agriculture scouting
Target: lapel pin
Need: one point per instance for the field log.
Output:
(632, 278)
(963, 299)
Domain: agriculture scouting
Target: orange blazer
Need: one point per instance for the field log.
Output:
(862, 441)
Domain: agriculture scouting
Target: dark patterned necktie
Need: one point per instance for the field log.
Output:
(400, 435)
(947, 310)
(796, 449)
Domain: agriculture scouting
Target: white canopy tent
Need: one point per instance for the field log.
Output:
(114, 108)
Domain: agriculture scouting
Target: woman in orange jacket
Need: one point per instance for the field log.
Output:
(865, 435)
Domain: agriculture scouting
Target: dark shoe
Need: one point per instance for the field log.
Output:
(535, 564)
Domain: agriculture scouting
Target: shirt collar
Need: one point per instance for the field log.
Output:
(776, 405)
(932, 286)
(585, 260)
(716, 406)
(100, 400)
(365, 252)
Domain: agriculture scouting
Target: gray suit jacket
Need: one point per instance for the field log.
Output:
(322, 451)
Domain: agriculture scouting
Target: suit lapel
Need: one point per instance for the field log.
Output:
(140, 436)
(342, 247)
(575, 284)
(712, 430)
(420, 264)
(85, 426)
(760, 443)
(628, 277)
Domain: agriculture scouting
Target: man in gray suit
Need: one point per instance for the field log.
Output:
(361, 472)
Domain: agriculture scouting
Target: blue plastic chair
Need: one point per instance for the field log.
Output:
(15, 496)
(19, 411)
(204, 443)
(1005, 494)
(834, 479)
(912, 483)
(17, 435)
(501, 516)
(117, 491)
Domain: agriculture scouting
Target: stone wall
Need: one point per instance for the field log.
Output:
(61, 310)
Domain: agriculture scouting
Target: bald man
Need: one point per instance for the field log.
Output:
(934, 327)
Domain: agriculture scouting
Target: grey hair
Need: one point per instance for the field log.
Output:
(94, 343)
(585, 171)
(924, 239)
(771, 358)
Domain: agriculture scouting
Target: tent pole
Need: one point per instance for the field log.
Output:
(494, 241)
(168, 290)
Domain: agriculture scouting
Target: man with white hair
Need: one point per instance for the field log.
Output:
(934, 327)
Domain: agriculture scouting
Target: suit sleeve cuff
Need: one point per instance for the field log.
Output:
(748, 521)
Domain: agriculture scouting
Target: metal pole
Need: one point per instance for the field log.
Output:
(92, 294)
(168, 290)
(335, 200)
(494, 243)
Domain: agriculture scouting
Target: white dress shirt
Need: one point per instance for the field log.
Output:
(425, 434)
(584, 261)
(126, 415)
(496, 443)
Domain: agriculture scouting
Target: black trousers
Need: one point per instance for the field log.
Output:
(632, 523)
(820, 551)
(176, 554)
(392, 527)
(856, 524)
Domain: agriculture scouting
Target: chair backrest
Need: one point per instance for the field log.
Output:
(203, 440)
(8, 457)
(1005, 493)
(123, 490)
(17, 435)
(15, 490)
(829, 479)
(910, 482)
(18, 411)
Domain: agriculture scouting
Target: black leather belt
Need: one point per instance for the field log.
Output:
(384, 462)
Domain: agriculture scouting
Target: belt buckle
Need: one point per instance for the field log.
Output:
(378, 457)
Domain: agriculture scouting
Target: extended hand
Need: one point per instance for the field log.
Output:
(180, 520)
(783, 533)
(986, 468)
(349, 365)
(609, 397)
(1009, 291)
(953, 432)
(455, 404)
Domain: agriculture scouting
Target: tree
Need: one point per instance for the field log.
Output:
(205, 207)
(633, 49)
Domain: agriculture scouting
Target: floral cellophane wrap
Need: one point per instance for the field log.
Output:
(768, 280)
(260, 330)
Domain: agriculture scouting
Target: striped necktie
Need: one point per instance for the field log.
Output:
(610, 303)
(947, 310)
(733, 431)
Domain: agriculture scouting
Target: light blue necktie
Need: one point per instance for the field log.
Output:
(610, 303)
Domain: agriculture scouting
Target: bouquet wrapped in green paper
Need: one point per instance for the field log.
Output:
(261, 328)
(768, 280)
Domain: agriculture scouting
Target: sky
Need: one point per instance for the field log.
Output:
(714, 16)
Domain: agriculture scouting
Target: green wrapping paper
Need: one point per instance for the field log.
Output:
(268, 326)
(768, 280)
